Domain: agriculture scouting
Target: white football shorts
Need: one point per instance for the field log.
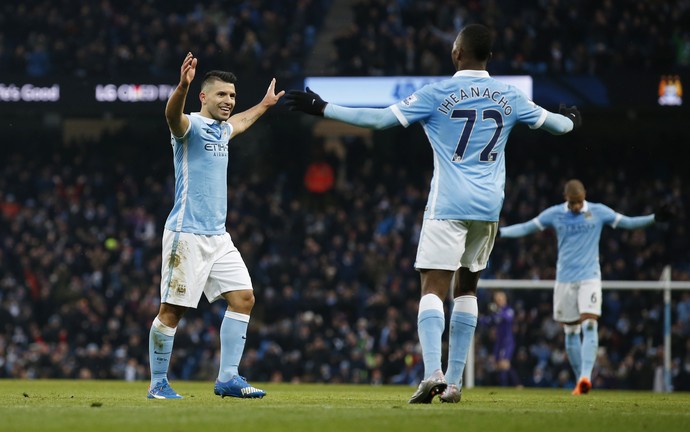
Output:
(570, 299)
(446, 244)
(196, 263)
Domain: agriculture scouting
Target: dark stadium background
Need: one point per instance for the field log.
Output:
(85, 186)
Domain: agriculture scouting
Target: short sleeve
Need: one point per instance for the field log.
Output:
(416, 107)
(186, 133)
(546, 218)
(528, 112)
(607, 215)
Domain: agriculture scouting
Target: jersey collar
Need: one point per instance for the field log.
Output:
(472, 73)
(205, 119)
(585, 207)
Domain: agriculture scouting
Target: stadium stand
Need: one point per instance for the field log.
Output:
(41, 38)
(336, 292)
(532, 37)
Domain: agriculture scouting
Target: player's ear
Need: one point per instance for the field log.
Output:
(455, 53)
(202, 97)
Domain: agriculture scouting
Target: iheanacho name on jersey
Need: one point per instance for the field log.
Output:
(452, 99)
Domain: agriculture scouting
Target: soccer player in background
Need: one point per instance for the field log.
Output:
(198, 253)
(502, 316)
(577, 292)
(467, 119)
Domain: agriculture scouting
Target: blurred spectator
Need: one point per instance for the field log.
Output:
(501, 316)
(40, 38)
(574, 37)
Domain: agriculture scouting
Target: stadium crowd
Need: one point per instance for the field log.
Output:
(108, 39)
(531, 37)
(81, 227)
(42, 38)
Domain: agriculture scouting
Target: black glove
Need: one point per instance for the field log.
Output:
(664, 212)
(308, 102)
(572, 113)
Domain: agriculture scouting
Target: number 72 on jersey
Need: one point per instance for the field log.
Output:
(487, 154)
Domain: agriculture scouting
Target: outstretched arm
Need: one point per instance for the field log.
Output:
(371, 118)
(242, 121)
(568, 119)
(174, 109)
(634, 222)
(311, 103)
(520, 230)
(556, 124)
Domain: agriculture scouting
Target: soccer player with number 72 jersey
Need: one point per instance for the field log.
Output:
(467, 119)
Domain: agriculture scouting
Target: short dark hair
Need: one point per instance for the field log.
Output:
(218, 75)
(574, 187)
(477, 40)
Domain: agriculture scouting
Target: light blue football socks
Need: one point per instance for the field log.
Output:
(233, 336)
(590, 345)
(573, 348)
(463, 322)
(161, 339)
(430, 325)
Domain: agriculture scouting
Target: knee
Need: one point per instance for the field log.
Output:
(248, 300)
(589, 324)
(571, 329)
(170, 315)
(241, 301)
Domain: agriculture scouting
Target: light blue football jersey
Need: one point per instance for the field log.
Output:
(201, 189)
(467, 119)
(578, 236)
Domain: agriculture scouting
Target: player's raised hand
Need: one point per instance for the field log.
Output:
(307, 102)
(572, 113)
(271, 98)
(188, 70)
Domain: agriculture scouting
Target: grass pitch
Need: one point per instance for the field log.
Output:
(57, 405)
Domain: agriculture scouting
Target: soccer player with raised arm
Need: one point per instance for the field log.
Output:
(577, 293)
(198, 253)
(467, 119)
